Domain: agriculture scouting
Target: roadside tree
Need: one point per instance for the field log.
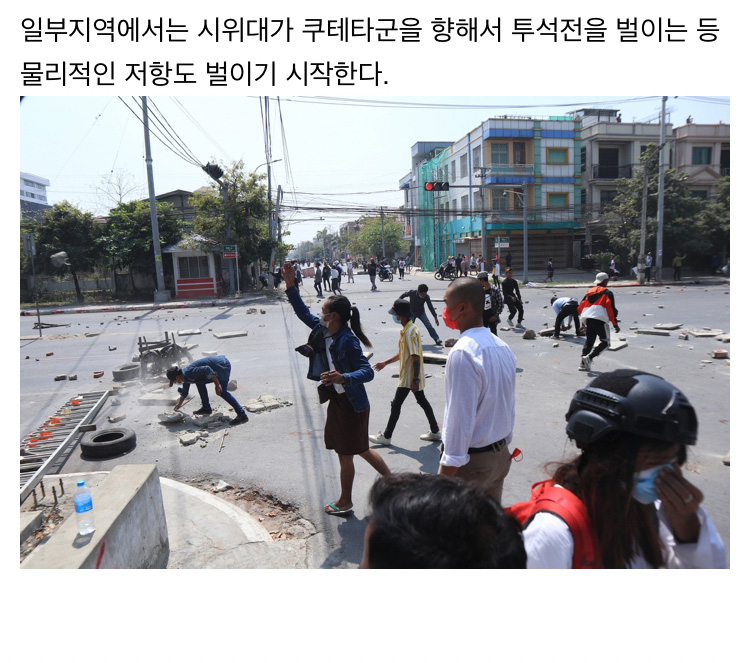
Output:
(127, 239)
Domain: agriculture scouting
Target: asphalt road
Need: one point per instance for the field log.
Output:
(282, 451)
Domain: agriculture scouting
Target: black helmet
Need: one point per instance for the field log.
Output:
(634, 402)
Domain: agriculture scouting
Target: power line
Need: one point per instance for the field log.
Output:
(188, 151)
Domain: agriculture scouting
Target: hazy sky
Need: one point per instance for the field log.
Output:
(332, 153)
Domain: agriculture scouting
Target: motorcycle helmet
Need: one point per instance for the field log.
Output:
(633, 402)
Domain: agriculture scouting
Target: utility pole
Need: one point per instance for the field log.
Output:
(160, 294)
(660, 199)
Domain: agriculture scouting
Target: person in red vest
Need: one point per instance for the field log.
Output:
(628, 504)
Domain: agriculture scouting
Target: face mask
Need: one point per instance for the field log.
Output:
(644, 490)
(451, 324)
(396, 320)
(323, 321)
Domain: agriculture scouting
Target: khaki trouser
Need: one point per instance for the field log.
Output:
(488, 470)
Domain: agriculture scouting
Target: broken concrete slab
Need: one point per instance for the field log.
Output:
(171, 417)
(265, 404)
(706, 332)
(617, 344)
(724, 338)
(188, 332)
(529, 334)
(653, 332)
(98, 374)
(546, 332)
(114, 418)
(209, 353)
(73, 377)
(189, 438)
(720, 354)
(230, 334)
(668, 325)
(434, 357)
(58, 378)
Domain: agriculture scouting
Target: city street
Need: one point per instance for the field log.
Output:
(281, 452)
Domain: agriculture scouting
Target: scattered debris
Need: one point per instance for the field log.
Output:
(232, 385)
(73, 377)
(188, 439)
(222, 486)
(555, 345)
(230, 334)
(529, 334)
(617, 344)
(98, 374)
(720, 354)
(49, 354)
(653, 332)
(60, 377)
(171, 417)
(115, 401)
(252, 310)
(188, 332)
(112, 348)
(668, 325)
(450, 342)
(724, 338)
(706, 332)
(114, 418)
(547, 332)
(209, 353)
(265, 404)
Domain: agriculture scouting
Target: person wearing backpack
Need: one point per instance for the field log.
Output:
(623, 502)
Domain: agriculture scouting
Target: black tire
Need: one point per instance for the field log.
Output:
(438, 276)
(390, 277)
(126, 372)
(108, 443)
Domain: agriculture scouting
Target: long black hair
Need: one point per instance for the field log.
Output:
(348, 313)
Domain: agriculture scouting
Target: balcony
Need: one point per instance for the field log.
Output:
(602, 172)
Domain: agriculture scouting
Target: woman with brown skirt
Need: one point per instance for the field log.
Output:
(337, 362)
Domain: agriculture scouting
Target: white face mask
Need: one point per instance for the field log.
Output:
(322, 320)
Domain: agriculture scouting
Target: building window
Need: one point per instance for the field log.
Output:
(701, 156)
(464, 164)
(519, 152)
(476, 156)
(453, 171)
(557, 200)
(193, 267)
(465, 203)
(477, 201)
(703, 195)
(499, 201)
(499, 153)
(607, 199)
(455, 208)
(557, 156)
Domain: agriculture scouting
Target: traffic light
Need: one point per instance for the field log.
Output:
(436, 186)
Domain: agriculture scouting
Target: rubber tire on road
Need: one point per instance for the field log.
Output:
(108, 443)
(126, 372)
(438, 276)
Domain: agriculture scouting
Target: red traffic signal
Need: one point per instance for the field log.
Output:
(436, 186)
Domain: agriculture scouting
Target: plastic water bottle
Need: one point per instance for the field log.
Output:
(84, 509)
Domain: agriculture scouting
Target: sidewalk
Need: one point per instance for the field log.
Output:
(204, 530)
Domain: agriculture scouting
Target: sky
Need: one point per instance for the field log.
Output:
(332, 152)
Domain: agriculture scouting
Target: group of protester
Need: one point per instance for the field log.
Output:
(623, 502)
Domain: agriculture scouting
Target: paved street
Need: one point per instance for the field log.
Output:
(282, 451)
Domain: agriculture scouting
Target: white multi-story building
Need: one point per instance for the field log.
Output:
(33, 195)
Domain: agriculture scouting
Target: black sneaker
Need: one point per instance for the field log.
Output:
(203, 410)
(239, 419)
(438, 343)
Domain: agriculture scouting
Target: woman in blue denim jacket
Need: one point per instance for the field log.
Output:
(341, 386)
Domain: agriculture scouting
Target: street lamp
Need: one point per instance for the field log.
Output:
(522, 196)
(266, 163)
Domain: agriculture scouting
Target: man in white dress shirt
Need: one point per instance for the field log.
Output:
(480, 401)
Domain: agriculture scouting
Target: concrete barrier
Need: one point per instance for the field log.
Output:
(131, 527)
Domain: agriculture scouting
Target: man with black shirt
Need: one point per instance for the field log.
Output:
(512, 296)
(493, 302)
(417, 299)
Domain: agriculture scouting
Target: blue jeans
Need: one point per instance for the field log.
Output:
(203, 392)
(428, 325)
